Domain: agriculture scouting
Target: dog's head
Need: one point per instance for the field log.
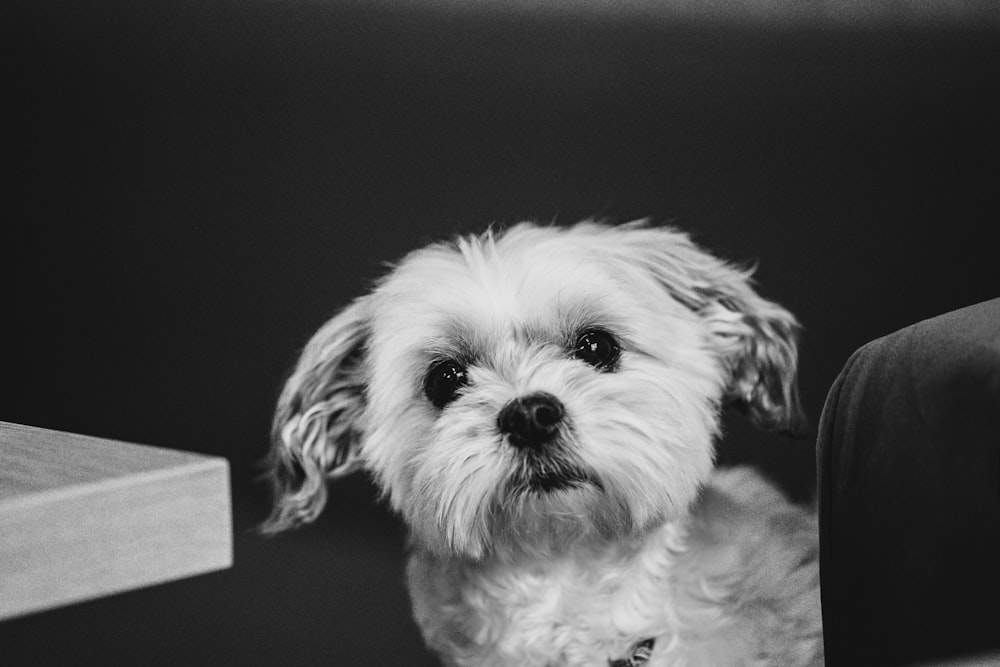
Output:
(523, 391)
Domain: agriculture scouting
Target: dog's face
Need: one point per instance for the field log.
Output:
(523, 392)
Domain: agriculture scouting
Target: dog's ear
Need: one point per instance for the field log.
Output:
(317, 423)
(759, 343)
(757, 339)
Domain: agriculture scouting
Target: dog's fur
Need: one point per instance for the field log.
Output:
(639, 538)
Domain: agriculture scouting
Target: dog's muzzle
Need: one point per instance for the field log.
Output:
(535, 426)
(531, 421)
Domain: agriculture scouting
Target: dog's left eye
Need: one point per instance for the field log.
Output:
(443, 382)
(598, 348)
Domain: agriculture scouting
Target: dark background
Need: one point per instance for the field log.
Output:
(194, 186)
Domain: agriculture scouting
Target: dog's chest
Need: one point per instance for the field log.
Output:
(576, 610)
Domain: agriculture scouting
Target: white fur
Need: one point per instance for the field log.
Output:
(716, 567)
(735, 583)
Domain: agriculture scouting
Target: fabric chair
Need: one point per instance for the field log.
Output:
(909, 494)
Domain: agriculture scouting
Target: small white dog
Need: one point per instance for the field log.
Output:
(540, 405)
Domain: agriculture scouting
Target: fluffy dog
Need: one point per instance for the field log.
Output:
(540, 406)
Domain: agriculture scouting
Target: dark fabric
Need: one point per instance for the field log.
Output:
(909, 475)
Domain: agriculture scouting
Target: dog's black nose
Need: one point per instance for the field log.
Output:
(532, 420)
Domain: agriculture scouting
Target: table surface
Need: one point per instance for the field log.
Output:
(84, 517)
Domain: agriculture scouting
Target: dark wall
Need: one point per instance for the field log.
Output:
(193, 187)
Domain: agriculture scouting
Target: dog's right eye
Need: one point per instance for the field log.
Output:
(443, 382)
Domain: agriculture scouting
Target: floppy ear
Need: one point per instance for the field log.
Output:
(759, 343)
(757, 339)
(318, 420)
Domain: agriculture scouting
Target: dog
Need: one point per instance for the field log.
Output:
(540, 405)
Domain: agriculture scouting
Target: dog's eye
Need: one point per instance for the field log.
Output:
(598, 348)
(443, 382)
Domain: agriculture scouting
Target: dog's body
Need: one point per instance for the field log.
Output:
(735, 583)
(540, 406)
